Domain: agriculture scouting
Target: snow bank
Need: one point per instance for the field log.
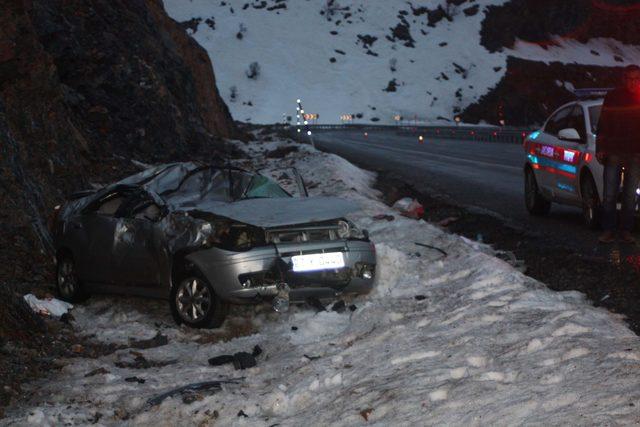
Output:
(458, 340)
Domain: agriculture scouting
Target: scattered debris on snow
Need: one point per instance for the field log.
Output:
(48, 306)
(411, 208)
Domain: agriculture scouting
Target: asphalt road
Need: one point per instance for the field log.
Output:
(473, 174)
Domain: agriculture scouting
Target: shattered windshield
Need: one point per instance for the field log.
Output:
(262, 187)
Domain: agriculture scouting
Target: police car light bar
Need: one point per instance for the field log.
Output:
(592, 92)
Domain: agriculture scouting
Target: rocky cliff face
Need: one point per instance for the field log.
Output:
(529, 92)
(85, 85)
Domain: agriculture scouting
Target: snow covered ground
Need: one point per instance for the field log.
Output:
(344, 62)
(458, 340)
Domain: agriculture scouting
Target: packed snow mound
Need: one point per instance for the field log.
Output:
(375, 59)
(461, 339)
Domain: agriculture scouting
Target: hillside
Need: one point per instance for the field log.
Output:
(426, 60)
(82, 83)
(85, 87)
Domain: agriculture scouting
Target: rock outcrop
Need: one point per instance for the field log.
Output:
(532, 90)
(86, 85)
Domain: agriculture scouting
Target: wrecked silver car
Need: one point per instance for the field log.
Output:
(204, 237)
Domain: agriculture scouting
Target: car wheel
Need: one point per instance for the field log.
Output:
(67, 282)
(535, 202)
(590, 202)
(195, 303)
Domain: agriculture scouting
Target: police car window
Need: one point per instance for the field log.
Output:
(594, 117)
(577, 122)
(558, 121)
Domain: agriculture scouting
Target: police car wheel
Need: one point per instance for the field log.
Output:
(590, 202)
(536, 204)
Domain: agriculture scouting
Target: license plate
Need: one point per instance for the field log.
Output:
(316, 262)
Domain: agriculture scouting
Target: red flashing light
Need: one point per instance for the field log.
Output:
(588, 157)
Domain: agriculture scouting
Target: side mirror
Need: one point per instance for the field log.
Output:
(569, 134)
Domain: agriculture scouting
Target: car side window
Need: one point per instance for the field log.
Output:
(139, 205)
(108, 205)
(578, 122)
(559, 121)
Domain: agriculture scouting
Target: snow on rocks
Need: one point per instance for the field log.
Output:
(375, 75)
(483, 345)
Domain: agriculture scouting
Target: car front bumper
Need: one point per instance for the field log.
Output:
(251, 276)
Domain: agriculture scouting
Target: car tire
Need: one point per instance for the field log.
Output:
(591, 206)
(536, 204)
(194, 302)
(68, 284)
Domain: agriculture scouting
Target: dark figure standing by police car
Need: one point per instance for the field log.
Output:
(618, 147)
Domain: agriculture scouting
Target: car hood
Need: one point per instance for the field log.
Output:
(276, 212)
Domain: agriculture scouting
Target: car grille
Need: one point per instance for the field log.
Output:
(303, 234)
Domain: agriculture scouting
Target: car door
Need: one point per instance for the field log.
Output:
(137, 245)
(94, 231)
(546, 152)
(568, 154)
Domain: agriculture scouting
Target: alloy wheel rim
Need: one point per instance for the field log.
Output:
(67, 279)
(193, 300)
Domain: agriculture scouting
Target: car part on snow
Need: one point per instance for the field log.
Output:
(384, 217)
(208, 386)
(47, 307)
(157, 341)
(409, 207)
(423, 245)
(240, 360)
(280, 302)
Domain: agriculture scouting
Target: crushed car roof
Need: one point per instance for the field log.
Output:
(262, 212)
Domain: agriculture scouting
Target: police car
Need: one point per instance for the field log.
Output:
(561, 165)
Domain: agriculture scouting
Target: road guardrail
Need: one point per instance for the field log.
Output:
(509, 135)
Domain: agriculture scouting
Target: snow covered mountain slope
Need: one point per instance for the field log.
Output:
(376, 58)
(462, 339)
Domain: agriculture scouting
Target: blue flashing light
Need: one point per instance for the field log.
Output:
(534, 159)
(534, 135)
